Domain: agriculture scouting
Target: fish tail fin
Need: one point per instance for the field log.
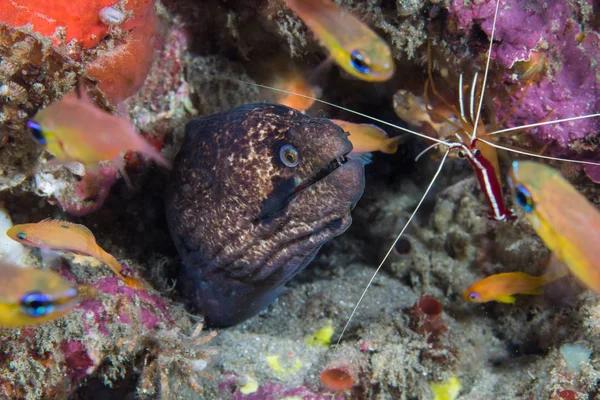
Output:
(132, 282)
(148, 150)
(109, 260)
(117, 268)
(390, 146)
(554, 275)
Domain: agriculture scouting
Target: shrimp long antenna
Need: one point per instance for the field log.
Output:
(422, 135)
(472, 101)
(460, 95)
(526, 153)
(485, 75)
(392, 246)
(556, 121)
(426, 150)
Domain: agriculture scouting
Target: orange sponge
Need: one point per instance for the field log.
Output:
(80, 18)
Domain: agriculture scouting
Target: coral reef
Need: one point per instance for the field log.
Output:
(173, 60)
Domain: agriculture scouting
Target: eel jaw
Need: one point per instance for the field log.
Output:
(321, 174)
(270, 209)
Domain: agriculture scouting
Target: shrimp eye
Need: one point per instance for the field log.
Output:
(461, 154)
(36, 304)
(359, 62)
(289, 156)
(36, 131)
(524, 198)
(476, 152)
(474, 296)
(22, 236)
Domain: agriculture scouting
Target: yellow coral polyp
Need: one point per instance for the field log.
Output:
(322, 337)
(446, 390)
(250, 387)
(275, 365)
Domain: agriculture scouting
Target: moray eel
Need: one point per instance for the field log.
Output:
(255, 192)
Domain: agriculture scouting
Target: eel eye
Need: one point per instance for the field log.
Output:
(461, 154)
(289, 156)
(36, 131)
(22, 236)
(524, 198)
(474, 296)
(36, 304)
(476, 152)
(359, 62)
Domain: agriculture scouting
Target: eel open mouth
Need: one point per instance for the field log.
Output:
(289, 188)
(322, 173)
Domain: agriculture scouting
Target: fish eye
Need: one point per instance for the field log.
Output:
(36, 131)
(523, 196)
(474, 296)
(36, 304)
(359, 62)
(22, 236)
(289, 156)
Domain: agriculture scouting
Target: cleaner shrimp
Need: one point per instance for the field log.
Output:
(467, 145)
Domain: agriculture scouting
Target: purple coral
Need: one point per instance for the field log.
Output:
(570, 88)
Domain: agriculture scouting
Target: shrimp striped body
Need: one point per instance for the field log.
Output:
(488, 180)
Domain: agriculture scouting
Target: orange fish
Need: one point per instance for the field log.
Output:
(351, 43)
(75, 129)
(367, 138)
(30, 296)
(55, 235)
(501, 287)
(563, 218)
(296, 83)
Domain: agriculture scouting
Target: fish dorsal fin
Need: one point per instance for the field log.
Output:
(391, 145)
(81, 229)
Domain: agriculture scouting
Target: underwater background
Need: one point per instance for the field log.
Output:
(237, 268)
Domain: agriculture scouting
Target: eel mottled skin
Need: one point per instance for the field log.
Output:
(243, 222)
